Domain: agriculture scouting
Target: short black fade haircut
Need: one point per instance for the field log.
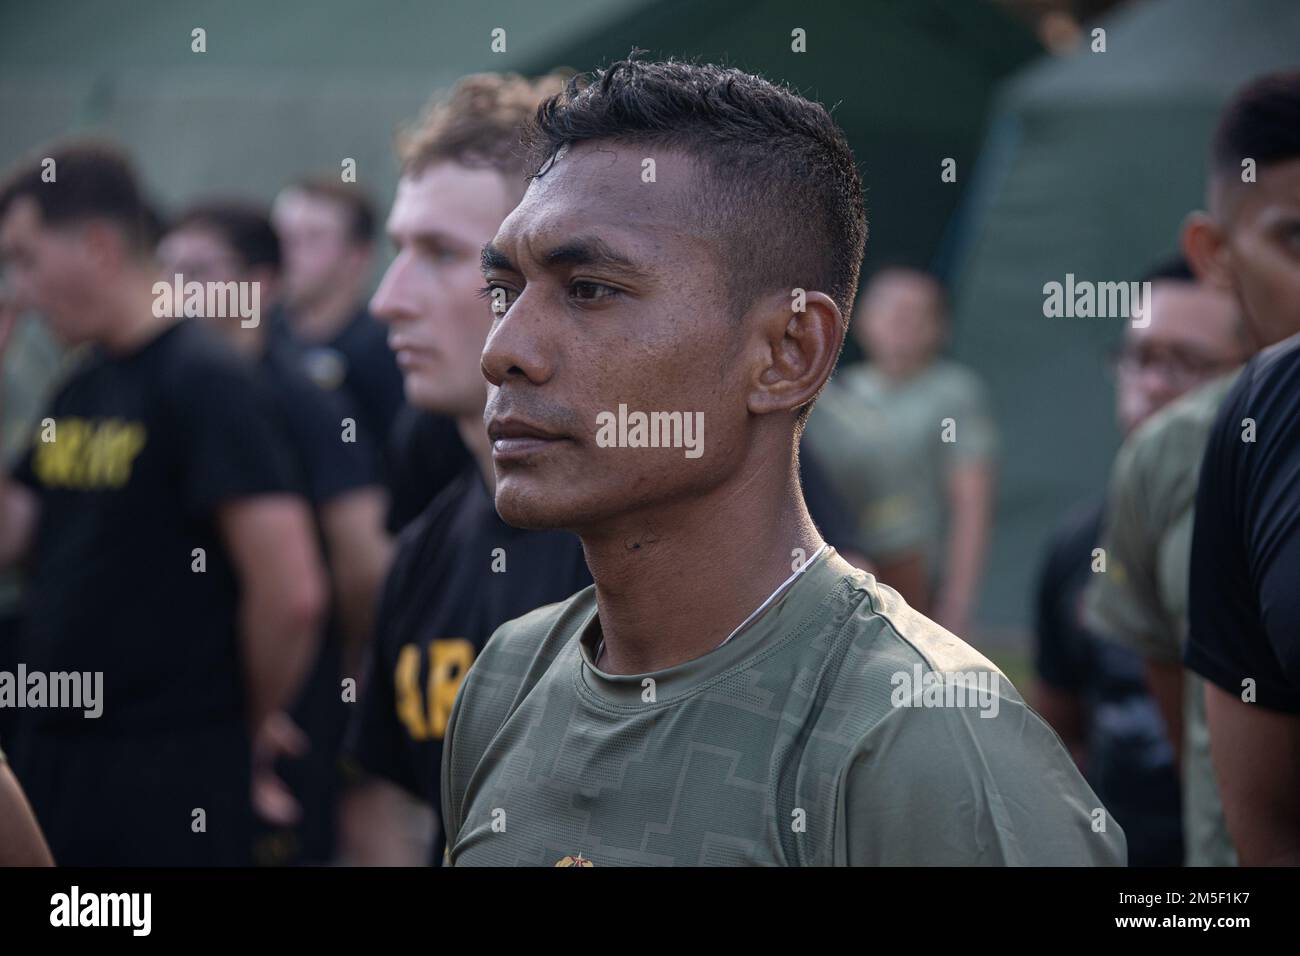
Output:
(243, 226)
(1261, 122)
(93, 180)
(784, 194)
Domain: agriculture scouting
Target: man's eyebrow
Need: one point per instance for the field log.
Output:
(585, 251)
(494, 258)
(582, 251)
(430, 236)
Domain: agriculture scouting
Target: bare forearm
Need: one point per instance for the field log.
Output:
(279, 643)
(282, 595)
(1165, 679)
(1256, 754)
(360, 551)
(18, 512)
(21, 840)
(970, 493)
(385, 826)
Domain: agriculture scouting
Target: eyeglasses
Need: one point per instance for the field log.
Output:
(1179, 367)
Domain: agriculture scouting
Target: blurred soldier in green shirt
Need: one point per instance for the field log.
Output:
(909, 443)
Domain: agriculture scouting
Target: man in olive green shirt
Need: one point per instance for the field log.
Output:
(822, 737)
(1141, 600)
(908, 440)
(700, 703)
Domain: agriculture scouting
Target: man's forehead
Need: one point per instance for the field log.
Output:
(608, 191)
(22, 216)
(449, 198)
(1274, 193)
(1185, 306)
(196, 235)
(298, 208)
(1181, 311)
(1280, 195)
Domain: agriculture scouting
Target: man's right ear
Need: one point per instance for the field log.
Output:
(1206, 250)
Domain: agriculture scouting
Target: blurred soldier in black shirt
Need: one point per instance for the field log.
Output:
(234, 242)
(1244, 606)
(460, 571)
(327, 231)
(168, 554)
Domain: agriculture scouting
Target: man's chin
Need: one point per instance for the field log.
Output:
(521, 504)
(430, 398)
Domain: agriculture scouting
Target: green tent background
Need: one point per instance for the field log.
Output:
(288, 88)
(1091, 164)
(1088, 164)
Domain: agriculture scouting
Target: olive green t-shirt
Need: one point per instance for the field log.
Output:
(1141, 599)
(842, 727)
(888, 448)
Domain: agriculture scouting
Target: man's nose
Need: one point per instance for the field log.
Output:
(517, 345)
(392, 299)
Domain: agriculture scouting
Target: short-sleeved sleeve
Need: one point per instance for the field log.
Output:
(376, 744)
(971, 410)
(226, 431)
(1123, 603)
(333, 466)
(945, 786)
(1244, 602)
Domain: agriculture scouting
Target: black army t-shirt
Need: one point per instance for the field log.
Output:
(460, 573)
(1244, 600)
(129, 578)
(141, 451)
(358, 364)
(426, 454)
(325, 465)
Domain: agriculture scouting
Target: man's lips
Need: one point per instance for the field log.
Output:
(399, 345)
(514, 439)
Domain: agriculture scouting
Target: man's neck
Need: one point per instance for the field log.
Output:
(321, 321)
(671, 587)
(251, 343)
(899, 374)
(474, 434)
(131, 320)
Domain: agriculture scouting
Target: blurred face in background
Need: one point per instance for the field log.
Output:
(430, 295)
(320, 252)
(900, 324)
(201, 254)
(1254, 250)
(1194, 335)
(61, 271)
